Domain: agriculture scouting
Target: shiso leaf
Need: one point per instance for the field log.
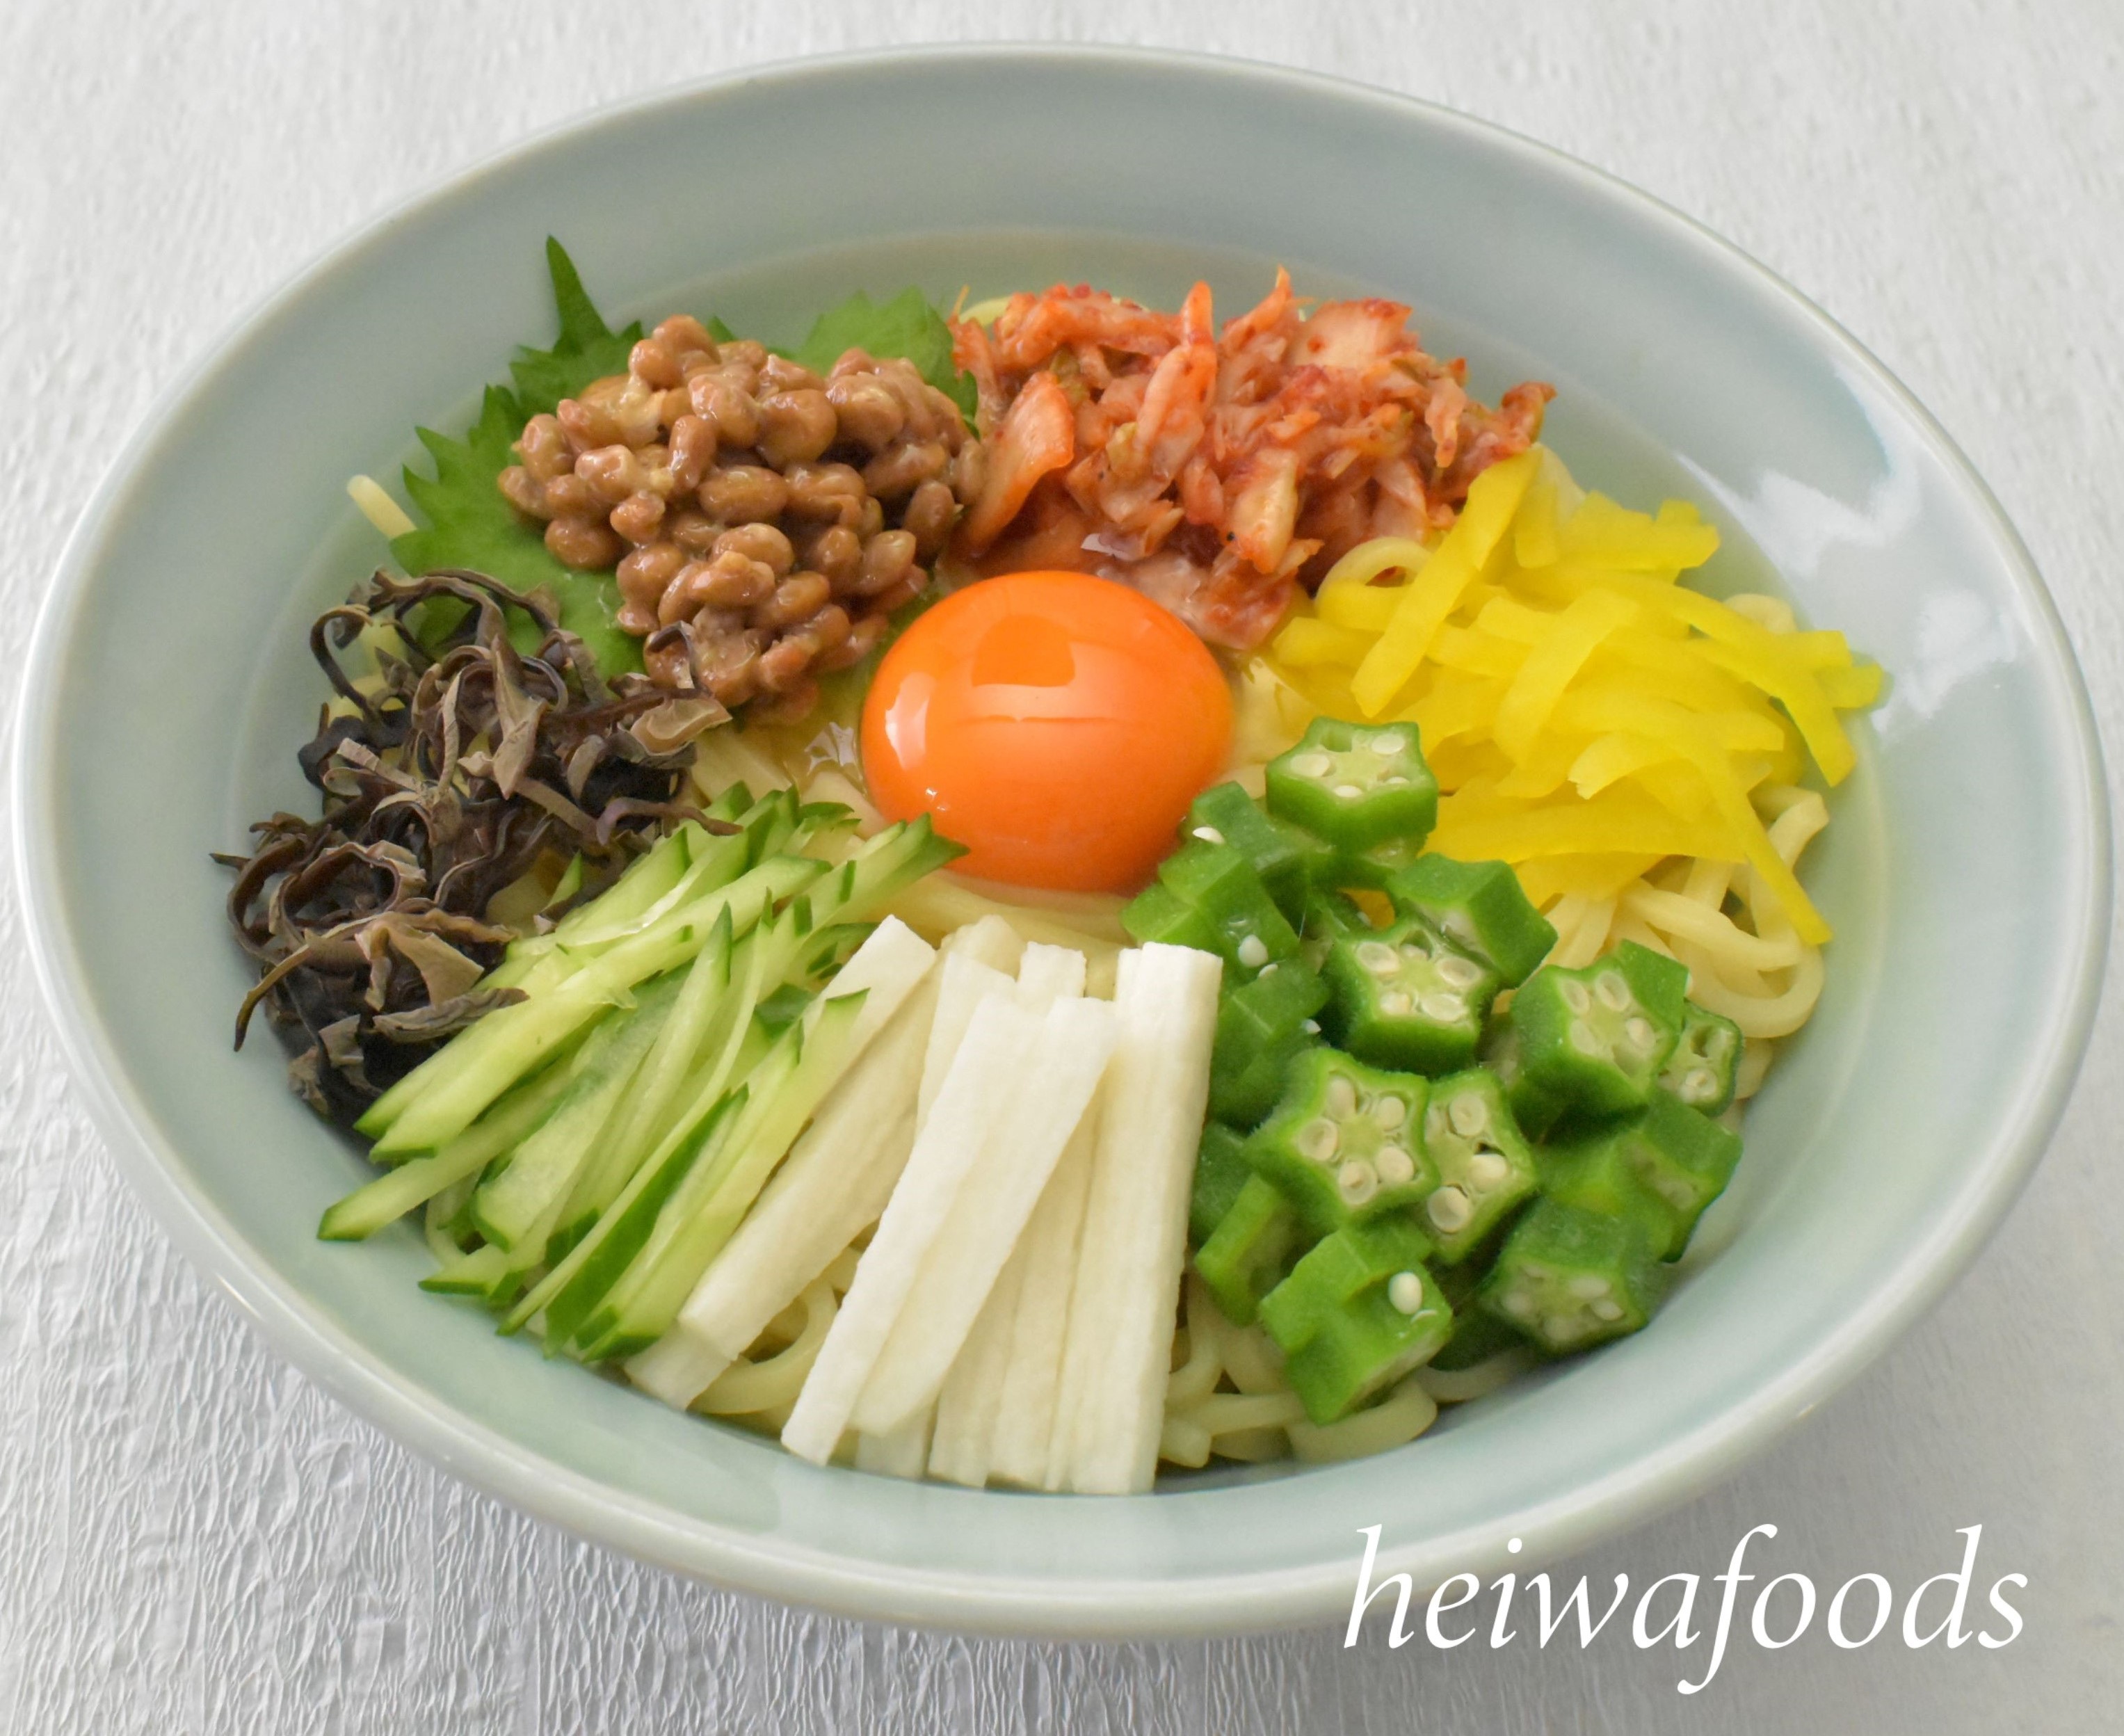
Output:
(471, 525)
(907, 326)
(587, 348)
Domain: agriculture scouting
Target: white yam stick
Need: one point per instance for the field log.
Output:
(971, 1399)
(841, 1169)
(995, 1195)
(1046, 1254)
(999, 1051)
(991, 941)
(902, 1453)
(963, 983)
(1135, 1223)
(972, 1395)
(888, 967)
(1048, 974)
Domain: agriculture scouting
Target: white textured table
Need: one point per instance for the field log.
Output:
(192, 1539)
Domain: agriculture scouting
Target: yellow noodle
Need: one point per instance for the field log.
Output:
(1184, 1443)
(1197, 1376)
(1252, 1360)
(1405, 1414)
(1757, 1015)
(1459, 1386)
(1717, 935)
(1235, 1413)
(1587, 937)
(748, 1387)
(937, 904)
(1254, 1446)
(840, 1271)
(1756, 1055)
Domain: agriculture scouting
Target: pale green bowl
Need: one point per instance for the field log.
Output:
(1967, 872)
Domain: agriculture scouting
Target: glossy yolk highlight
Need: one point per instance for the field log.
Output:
(1056, 724)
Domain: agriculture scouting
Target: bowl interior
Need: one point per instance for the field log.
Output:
(1966, 873)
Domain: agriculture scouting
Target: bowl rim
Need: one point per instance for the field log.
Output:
(1003, 1602)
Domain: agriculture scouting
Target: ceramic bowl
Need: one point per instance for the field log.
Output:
(1967, 872)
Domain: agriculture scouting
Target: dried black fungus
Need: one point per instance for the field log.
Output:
(465, 765)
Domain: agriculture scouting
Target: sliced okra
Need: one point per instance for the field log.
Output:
(1262, 1026)
(1535, 1110)
(1220, 886)
(1289, 860)
(1405, 997)
(1661, 983)
(1346, 1140)
(1568, 1277)
(1480, 907)
(1155, 914)
(1477, 1337)
(1365, 1344)
(1705, 1062)
(1659, 1170)
(1485, 1169)
(1221, 1171)
(1379, 867)
(1328, 916)
(1588, 1039)
(1337, 1266)
(1247, 1255)
(1355, 786)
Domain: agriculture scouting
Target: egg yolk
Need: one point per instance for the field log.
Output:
(1056, 724)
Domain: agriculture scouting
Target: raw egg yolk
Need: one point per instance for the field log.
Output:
(1055, 724)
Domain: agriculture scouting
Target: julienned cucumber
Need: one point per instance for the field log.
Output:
(391, 1196)
(641, 901)
(510, 1202)
(509, 1043)
(707, 1211)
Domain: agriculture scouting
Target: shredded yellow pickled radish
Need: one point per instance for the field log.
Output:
(1437, 586)
(1588, 716)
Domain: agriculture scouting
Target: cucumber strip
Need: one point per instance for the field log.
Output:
(469, 1274)
(646, 880)
(641, 1310)
(485, 1060)
(834, 1184)
(374, 1204)
(582, 1318)
(716, 863)
(731, 805)
(725, 1056)
(511, 1202)
(653, 1117)
(988, 1212)
(636, 1124)
(474, 1069)
(541, 964)
(897, 956)
(701, 1097)
(576, 1283)
(570, 883)
(1118, 1354)
(998, 1048)
(1032, 1378)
